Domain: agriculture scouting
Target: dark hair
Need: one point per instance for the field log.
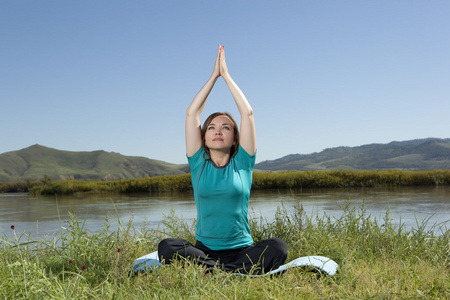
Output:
(235, 147)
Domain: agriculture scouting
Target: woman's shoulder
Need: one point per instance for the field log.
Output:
(197, 159)
(244, 158)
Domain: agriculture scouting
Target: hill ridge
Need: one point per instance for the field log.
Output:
(37, 161)
(418, 154)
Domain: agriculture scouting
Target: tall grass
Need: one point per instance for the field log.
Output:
(376, 260)
(261, 180)
(21, 186)
(338, 179)
(148, 184)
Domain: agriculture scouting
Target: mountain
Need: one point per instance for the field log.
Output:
(37, 161)
(421, 154)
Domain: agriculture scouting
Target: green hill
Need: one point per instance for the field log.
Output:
(414, 155)
(37, 161)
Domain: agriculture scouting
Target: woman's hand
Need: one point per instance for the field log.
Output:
(223, 64)
(247, 135)
(216, 71)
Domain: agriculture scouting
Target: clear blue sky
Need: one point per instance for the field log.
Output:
(119, 75)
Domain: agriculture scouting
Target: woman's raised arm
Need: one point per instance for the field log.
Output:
(247, 133)
(193, 125)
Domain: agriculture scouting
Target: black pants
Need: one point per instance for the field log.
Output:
(260, 258)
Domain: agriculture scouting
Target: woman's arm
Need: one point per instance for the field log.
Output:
(247, 131)
(193, 126)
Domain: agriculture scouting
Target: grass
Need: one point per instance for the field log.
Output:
(375, 261)
(261, 180)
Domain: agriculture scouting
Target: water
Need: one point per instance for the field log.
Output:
(40, 216)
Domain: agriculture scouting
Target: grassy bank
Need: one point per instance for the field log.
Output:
(22, 186)
(261, 180)
(375, 261)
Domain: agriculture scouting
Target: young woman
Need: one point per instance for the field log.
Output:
(222, 160)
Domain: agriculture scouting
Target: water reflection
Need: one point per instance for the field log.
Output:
(40, 215)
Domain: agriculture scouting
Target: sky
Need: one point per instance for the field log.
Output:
(118, 75)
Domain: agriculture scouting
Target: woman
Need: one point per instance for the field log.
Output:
(222, 160)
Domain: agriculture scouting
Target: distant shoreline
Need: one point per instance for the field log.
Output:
(261, 181)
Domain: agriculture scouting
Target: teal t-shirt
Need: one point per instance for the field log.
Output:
(221, 195)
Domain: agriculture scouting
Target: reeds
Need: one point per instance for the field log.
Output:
(376, 260)
(338, 179)
(261, 180)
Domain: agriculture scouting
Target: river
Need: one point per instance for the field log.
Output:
(40, 216)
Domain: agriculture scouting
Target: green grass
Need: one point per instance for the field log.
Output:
(261, 180)
(375, 261)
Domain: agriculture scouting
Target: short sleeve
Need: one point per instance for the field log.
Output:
(245, 160)
(196, 161)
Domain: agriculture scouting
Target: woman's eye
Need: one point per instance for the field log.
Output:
(226, 127)
(209, 128)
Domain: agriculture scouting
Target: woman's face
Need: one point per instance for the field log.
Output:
(219, 134)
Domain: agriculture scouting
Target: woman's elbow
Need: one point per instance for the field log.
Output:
(250, 112)
(191, 113)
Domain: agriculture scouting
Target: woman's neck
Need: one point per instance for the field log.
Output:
(219, 158)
